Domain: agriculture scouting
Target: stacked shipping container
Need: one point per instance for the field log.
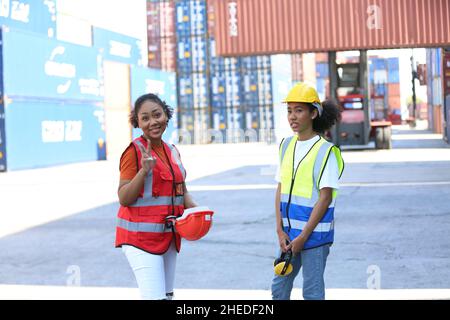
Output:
(322, 75)
(446, 73)
(161, 34)
(434, 90)
(52, 102)
(220, 99)
(65, 100)
(30, 15)
(193, 82)
(384, 83)
(117, 52)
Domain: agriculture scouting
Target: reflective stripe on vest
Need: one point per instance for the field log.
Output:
(157, 201)
(177, 160)
(305, 191)
(321, 226)
(142, 226)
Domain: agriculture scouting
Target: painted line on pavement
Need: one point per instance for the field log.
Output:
(29, 292)
(343, 185)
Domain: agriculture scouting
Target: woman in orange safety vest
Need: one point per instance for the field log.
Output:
(152, 187)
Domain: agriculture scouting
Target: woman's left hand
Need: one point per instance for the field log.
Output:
(297, 245)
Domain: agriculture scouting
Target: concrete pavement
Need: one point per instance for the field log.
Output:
(392, 214)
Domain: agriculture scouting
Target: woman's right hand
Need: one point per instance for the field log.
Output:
(283, 240)
(147, 161)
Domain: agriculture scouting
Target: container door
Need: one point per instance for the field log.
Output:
(2, 139)
(117, 107)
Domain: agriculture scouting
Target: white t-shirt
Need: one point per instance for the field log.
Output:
(330, 176)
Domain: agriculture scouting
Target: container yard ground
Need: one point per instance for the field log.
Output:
(392, 215)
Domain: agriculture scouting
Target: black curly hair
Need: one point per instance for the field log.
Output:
(331, 114)
(148, 97)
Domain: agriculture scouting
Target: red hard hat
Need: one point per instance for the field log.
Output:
(194, 223)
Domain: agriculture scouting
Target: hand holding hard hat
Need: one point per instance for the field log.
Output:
(193, 224)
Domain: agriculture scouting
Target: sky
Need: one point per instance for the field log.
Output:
(128, 17)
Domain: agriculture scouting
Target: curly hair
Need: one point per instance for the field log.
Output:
(330, 116)
(148, 97)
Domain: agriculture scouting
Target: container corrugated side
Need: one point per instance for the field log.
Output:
(56, 133)
(30, 15)
(247, 27)
(117, 107)
(52, 69)
(118, 47)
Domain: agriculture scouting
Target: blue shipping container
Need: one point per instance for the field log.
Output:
(118, 47)
(394, 76)
(379, 63)
(322, 70)
(2, 119)
(218, 95)
(393, 64)
(200, 90)
(233, 87)
(38, 67)
(250, 88)
(37, 16)
(251, 117)
(55, 133)
(199, 47)
(265, 87)
(185, 87)
(263, 62)
(182, 20)
(249, 63)
(219, 118)
(198, 17)
(163, 83)
(184, 59)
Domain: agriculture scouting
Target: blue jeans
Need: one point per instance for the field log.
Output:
(313, 262)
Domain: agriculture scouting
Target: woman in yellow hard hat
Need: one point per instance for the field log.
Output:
(308, 174)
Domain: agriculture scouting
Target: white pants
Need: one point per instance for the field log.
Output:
(155, 274)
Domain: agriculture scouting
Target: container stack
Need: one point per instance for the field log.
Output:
(384, 82)
(116, 53)
(436, 113)
(52, 102)
(220, 99)
(297, 67)
(322, 75)
(69, 101)
(161, 35)
(393, 91)
(193, 82)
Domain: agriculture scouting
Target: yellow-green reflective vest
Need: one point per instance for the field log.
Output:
(300, 190)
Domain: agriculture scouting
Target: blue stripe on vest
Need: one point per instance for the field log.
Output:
(302, 213)
(316, 239)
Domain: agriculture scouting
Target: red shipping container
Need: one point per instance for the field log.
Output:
(394, 102)
(245, 27)
(393, 89)
(168, 54)
(167, 19)
(322, 57)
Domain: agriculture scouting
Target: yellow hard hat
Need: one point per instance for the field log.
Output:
(303, 92)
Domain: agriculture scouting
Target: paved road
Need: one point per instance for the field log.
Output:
(391, 214)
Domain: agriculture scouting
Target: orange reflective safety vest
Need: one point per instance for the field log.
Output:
(143, 224)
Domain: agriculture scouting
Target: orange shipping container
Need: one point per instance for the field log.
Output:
(394, 89)
(394, 102)
(249, 27)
